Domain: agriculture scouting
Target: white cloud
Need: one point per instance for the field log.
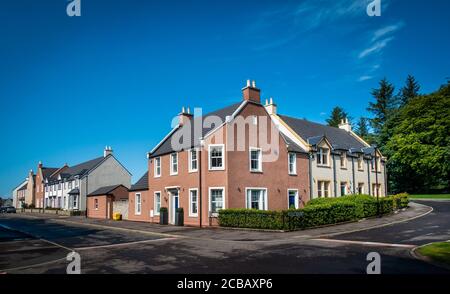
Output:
(386, 30)
(377, 47)
(364, 78)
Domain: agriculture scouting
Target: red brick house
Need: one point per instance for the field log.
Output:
(230, 158)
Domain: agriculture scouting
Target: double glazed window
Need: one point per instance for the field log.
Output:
(193, 202)
(255, 159)
(323, 189)
(157, 166)
(257, 199)
(138, 204)
(157, 202)
(292, 163)
(216, 157)
(360, 188)
(193, 160)
(216, 197)
(174, 163)
(322, 156)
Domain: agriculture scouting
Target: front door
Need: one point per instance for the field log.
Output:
(175, 204)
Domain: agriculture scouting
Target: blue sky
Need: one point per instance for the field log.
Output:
(119, 73)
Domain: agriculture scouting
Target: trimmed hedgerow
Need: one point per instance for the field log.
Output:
(318, 212)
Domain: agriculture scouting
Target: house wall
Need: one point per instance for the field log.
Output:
(322, 173)
(234, 178)
(109, 173)
(145, 207)
(102, 212)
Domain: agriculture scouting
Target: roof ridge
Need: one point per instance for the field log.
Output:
(311, 122)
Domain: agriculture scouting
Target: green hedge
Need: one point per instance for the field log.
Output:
(318, 212)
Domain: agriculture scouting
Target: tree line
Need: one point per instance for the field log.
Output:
(410, 129)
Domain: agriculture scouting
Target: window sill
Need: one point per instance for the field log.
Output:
(216, 169)
(193, 171)
(193, 215)
(323, 166)
(256, 171)
(293, 174)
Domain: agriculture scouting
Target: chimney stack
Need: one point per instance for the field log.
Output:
(108, 151)
(251, 93)
(270, 106)
(344, 125)
(185, 116)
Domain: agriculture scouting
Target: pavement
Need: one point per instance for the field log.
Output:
(39, 244)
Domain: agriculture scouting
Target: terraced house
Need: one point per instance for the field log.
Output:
(69, 188)
(230, 158)
(341, 162)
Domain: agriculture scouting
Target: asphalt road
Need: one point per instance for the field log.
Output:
(106, 251)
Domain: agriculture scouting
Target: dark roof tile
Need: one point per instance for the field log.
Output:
(141, 184)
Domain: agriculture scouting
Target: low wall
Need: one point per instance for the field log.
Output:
(51, 211)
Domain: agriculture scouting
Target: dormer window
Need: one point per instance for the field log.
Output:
(343, 159)
(360, 163)
(322, 156)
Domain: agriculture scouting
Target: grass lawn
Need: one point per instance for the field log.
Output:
(439, 252)
(430, 196)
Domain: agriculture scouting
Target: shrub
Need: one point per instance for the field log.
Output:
(401, 200)
(251, 218)
(366, 205)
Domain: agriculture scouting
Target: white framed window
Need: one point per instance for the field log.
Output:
(193, 160)
(46, 188)
(323, 189)
(174, 164)
(255, 159)
(360, 188)
(157, 171)
(76, 183)
(59, 186)
(322, 156)
(344, 188)
(216, 200)
(157, 204)
(75, 202)
(360, 163)
(343, 159)
(376, 189)
(216, 156)
(70, 185)
(96, 204)
(256, 198)
(293, 198)
(137, 204)
(193, 202)
(292, 163)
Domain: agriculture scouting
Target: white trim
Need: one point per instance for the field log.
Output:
(165, 138)
(154, 167)
(172, 173)
(223, 157)
(328, 155)
(209, 199)
(191, 170)
(266, 196)
(259, 169)
(191, 214)
(136, 204)
(155, 212)
(295, 164)
(296, 198)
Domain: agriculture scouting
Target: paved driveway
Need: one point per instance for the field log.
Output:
(221, 251)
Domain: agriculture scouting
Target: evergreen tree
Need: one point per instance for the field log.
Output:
(409, 91)
(383, 106)
(362, 129)
(336, 116)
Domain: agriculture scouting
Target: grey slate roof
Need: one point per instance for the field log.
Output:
(313, 132)
(48, 171)
(82, 168)
(141, 184)
(292, 146)
(222, 113)
(104, 190)
(74, 191)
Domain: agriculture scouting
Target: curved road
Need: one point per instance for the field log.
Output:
(127, 252)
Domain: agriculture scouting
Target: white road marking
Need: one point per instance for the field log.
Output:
(365, 243)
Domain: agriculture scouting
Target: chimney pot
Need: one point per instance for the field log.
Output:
(251, 93)
(271, 100)
(267, 102)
